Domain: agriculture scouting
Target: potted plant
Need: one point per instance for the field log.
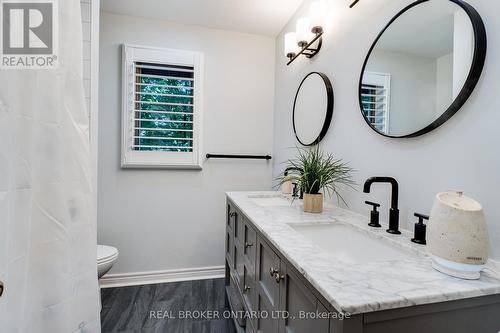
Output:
(318, 173)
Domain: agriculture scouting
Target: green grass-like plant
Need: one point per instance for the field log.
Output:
(321, 172)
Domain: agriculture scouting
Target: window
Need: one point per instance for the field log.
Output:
(161, 110)
(375, 93)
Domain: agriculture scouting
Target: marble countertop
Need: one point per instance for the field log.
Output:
(359, 288)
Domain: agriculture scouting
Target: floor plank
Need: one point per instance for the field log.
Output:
(128, 309)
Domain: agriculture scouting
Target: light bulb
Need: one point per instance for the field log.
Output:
(291, 47)
(317, 15)
(303, 31)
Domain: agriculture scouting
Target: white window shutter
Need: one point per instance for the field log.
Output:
(162, 110)
(375, 97)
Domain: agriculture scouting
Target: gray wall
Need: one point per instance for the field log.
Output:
(413, 89)
(461, 155)
(169, 220)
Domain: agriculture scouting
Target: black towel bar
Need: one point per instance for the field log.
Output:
(248, 157)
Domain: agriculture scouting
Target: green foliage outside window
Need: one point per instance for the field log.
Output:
(171, 125)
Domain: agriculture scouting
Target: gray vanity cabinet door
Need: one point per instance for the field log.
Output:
(229, 220)
(229, 236)
(249, 244)
(267, 289)
(248, 287)
(249, 328)
(299, 303)
(238, 222)
(229, 248)
(238, 262)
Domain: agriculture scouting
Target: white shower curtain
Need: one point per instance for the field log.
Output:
(47, 224)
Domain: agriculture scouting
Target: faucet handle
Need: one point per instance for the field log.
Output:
(421, 218)
(374, 215)
(374, 204)
(420, 229)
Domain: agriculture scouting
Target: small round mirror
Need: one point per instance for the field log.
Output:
(422, 67)
(313, 109)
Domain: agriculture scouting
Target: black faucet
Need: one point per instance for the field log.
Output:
(394, 211)
(294, 191)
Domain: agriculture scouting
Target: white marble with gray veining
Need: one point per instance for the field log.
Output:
(359, 288)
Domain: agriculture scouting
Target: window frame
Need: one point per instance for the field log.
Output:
(383, 80)
(160, 159)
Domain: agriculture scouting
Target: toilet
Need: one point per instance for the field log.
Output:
(106, 257)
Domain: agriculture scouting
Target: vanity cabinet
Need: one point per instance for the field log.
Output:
(297, 300)
(261, 281)
(267, 286)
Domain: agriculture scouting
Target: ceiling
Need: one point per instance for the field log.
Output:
(263, 17)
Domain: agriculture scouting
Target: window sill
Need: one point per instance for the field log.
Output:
(194, 167)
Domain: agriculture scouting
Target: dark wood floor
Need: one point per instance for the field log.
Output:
(128, 309)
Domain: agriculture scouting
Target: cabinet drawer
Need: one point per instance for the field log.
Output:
(249, 244)
(248, 286)
(229, 216)
(234, 253)
(268, 263)
(235, 301)
(234, 221)
(267, 289)
(239, 263)
(229, 248)
(237, 225)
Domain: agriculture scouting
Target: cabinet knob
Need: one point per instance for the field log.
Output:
(273, 271)
(247, 245)
(247, 288)
(279, 277)
(1, 288)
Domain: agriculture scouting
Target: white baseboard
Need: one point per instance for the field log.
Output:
(153, 277)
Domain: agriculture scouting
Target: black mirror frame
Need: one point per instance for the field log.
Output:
(480, 47)
(329, 109)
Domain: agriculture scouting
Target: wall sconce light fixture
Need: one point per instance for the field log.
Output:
(306, 40)
(354, 3)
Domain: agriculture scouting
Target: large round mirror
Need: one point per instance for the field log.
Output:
(313, 109)
(422, 67)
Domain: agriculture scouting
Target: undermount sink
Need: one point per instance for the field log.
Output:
(273, 200)
(350, 245)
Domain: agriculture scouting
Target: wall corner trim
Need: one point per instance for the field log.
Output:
(153, 277)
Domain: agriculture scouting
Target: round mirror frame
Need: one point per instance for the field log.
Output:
(480, 46)
(329, 109)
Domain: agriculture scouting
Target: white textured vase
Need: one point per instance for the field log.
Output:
(287, 187)
(457, 238)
